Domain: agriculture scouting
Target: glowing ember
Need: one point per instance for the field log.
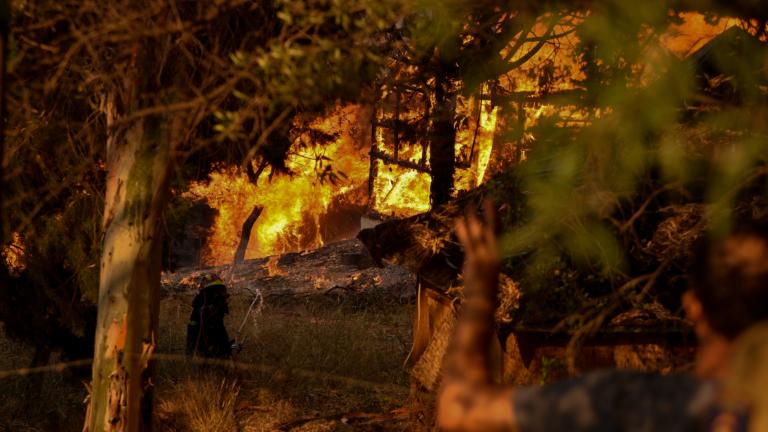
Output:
(321, 281)
(272, 267)
(13, 254)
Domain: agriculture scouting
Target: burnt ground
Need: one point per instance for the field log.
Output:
(324, 351)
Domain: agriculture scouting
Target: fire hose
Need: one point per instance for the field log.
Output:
(254, 308)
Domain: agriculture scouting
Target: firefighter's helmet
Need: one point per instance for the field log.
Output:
(211, 279)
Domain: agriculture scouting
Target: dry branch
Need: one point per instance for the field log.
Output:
(245, 235)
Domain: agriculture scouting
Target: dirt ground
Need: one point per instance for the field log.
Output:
(307, 365)
(302, 360)
(322, 351)
(325, 357)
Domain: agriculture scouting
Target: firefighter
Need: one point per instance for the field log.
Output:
(206, 334)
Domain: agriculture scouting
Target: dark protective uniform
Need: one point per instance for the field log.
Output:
(206, 334)
(626, 401)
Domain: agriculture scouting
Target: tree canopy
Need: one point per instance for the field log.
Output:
(115, 106)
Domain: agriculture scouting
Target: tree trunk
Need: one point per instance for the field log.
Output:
(139, 165)
(253, 176)
(5, 23)
(501, 150)
(246, 234)
(442, 159)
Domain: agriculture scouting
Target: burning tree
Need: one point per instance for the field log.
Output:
(616, 142)
(159, 82)
(127, 95)
(453, 78)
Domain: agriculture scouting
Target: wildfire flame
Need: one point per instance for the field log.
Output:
(14, 255)
(401, 192)
(272, 267)
(488, 117)
(681, 39)
(694, 32)
(294, 205)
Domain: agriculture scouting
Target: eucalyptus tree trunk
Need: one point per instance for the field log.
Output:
(139, 165)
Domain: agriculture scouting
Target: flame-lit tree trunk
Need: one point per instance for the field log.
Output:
(139, 164)
(137, 188)
(442, 157)
(499, 148)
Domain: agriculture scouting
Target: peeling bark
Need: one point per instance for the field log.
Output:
(139, 165)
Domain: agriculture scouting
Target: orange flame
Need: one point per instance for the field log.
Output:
(272, 267)
(694, 32)
(488, 118)
(14, 256)
(401, 192)
(293, 204)
(682, 39)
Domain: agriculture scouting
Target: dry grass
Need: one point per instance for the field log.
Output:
(302, 359)
(205, 404)
(41, 402)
